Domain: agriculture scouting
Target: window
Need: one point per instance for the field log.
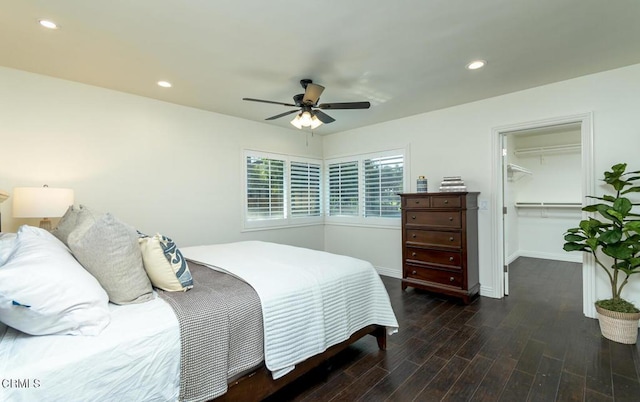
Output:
(281, 190)
(343, 189)
(363, 189)
(383, 180)
(265, 188)
(305, 189)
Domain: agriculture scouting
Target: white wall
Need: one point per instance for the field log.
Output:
(158, 166)
(177, 170)
(458, 141)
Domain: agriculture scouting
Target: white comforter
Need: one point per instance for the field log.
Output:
(310, 299)
(144, 339)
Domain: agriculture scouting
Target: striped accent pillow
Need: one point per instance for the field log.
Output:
(166, 267)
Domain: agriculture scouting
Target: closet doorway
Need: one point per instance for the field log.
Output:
(543, 175)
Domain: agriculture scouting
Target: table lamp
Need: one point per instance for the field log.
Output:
(41, 202)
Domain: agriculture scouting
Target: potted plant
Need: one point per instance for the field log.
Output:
(614, 241)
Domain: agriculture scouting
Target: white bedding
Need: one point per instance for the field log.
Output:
(144, 338)
(310, 299)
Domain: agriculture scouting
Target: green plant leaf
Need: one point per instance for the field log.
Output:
(574, 237)
(592, 243)
(619, 217)
(634, 189)
(632, 226)
(574, 247)
(604, 211)
(622, 205)
(618, 169)
(591, 208)
(619, 251)
(611, 236)
(609, 198)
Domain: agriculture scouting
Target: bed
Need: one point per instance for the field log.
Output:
(311, 305)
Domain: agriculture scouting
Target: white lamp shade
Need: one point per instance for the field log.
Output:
(41, 202)
(3, 196)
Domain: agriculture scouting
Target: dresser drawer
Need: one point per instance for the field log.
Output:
(451, 259)
(447, 219)
(451, 201)
(434, 275)
(416, 202)
(434, 238)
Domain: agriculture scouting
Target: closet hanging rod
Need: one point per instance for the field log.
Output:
(549, 149)
(546, 204)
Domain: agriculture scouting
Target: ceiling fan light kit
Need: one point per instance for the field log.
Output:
(306, 119)
(308, 114)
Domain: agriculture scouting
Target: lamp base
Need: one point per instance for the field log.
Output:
(45, 224)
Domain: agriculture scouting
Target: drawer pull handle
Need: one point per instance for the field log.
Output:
(413, 217)
(452, 279)
(451, 238)
(413, 272)
(413, 235)
(450, 258)
(417, 201)
(413, 254)
(450, 218)
(446, 201)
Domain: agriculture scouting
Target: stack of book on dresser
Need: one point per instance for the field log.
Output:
(452, 184)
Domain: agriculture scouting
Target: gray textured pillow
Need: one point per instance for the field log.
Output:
(109, 250)
(71, 219)
(67, 223)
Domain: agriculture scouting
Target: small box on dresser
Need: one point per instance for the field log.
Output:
(440, 243)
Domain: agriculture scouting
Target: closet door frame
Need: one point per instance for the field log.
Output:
(588, 186)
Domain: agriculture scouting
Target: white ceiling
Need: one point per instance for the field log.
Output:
(405, 57)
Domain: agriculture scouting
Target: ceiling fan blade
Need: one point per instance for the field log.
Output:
(323, 117)
(267, 101)
(312, 93)
(282, 114)
(345, 105)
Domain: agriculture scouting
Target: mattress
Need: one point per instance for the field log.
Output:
(143, 338)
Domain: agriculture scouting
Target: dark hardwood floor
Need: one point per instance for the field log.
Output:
(534, 345)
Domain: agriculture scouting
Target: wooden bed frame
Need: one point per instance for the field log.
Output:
(260, 383)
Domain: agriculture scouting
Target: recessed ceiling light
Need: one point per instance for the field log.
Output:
(476, 64)
(164, 84)
(48, 24)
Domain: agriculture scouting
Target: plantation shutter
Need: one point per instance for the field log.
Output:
(383, 180)
(305, 189)
(265, 188)
(343, 189)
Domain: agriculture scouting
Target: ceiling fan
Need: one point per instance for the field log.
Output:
(308, 110)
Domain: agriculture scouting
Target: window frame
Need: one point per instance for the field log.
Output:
(288, 220)
(361, 219)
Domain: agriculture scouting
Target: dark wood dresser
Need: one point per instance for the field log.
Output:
(440, 243)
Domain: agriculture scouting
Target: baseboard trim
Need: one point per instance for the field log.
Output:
(568, 257)
(392, 272)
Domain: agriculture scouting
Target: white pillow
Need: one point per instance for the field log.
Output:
(7, 242)
(45, 291)
(164, 263)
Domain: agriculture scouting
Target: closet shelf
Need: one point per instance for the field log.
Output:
(515, 168)
(552, 149)
(545, 204)
(512, 169)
